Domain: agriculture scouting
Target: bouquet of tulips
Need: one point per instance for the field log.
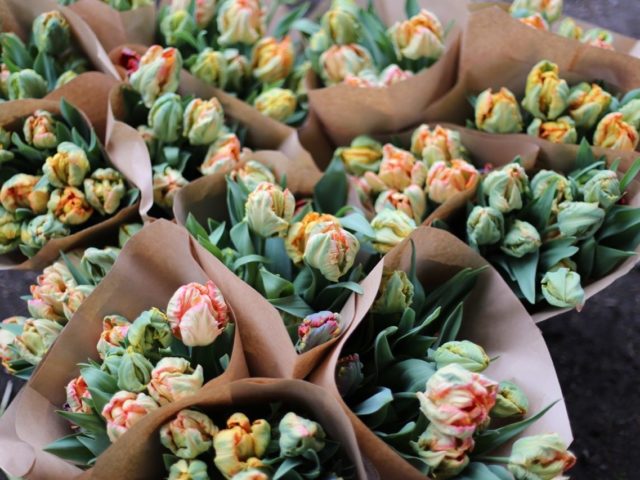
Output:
(58, 292)
(120, 5)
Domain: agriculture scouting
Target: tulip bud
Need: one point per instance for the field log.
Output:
(77, 396)
(173, 379)
(587, 103)
(317, 329)
(165, 117)
(188, 470)
(70, 206)
(613, 132)
(124, 410)
(550, 9)
(111, 363)
(150, 332)
(349, 374)
(41, 229)
(269, 210)
(97, 262)
(391, 227)
(52, 288)
(126, 231)
(203, 120)
(437, 145)
(340, 23)
(114, 333)
(238, 69)
(198, 314)
(26, 83)
(546, 179)
(331, 250)
(204, 10)
(543, 457)
(210, 67)
(241, 445)
(176, 24)
(22, 191)
(189, 434)
(394, 74)
(598, 37)
(580, 219)
(134, 372)
(521, 239)
(65, 78)
(39, 308)
(498, 112)
(74, 298)
(364, 79)
(396, 170)
(157, 73)
(299, 233)
(277, 103)
(51, 33)
(603, 188)
(533, 20)
(395, 294)
(485, 226)
(272, 61)
(505, 188)
(338, 61)
(36, 338)
(511, 402)
(166, 183)
(445, 182)
(251, 474)
(457, 401)
(105, 190)
(444, 454)
(40, 130)
(631, 113)
(569, 29)
(546, 95)
(223, 155)
(253, 173)
(69, 166)
(562, 130)
(240, 21)
(467, 354)
(298, 435)
(9, 231)
(411, 201)
(363, 155)
(562, 288)
(422, 36)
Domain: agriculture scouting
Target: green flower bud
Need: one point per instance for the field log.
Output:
(105, 190)
(341, 22)
(613, 132)
(65, 78)
(5, 143)
(51, 33)
(631, 113)
(598, 37)
(541, 457)
(9, 232)
(505, 188)
(562, 131)
(580, 219)
(26, 83)
(176, 24)
(546, 179)
(395, 293)
(485, 226)
(97, 263)
(568, 28)
(299, 435)
(189, 434)
(269, 210)
(391, 227)
(550, 9)
(238, 69)
(444, 454)
(210, 66)
(188, 470)
(111, 364)
(240, 22)
(36, 338)
(41, 229)
(253, 173)
(332, 250)
(150, 332)
(70, 206)
(421, 36)
(521, 239)
(165, 117)
(603, 188)
(467, 354)
(319, 41)
(562, 288)
(498, 112)
(254, 474)
(127, 231)
(69, 166)
(167, 182)
(546, 95)
(587, 104)
(317, 329)
(349, 374)
(134, 372)
(203, 121)
(511, 401)
(363, 155)
(39, 130)
(277, 103)
(158, 73)
(241, 445)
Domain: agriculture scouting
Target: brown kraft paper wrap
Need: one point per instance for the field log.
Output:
(141, 450)
(493, 318)
(145, 263)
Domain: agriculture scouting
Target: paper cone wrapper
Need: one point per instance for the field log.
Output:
(152, 266)
(493, 318)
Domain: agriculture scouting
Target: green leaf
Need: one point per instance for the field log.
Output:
(306, 26)
(409, 375)
(330, 193)
(585, 155)
(71, 449)
(242, 239)
(216, 233)
(412, 8)
(539, 211)
(96, 444)
(91, 423)
(480, 471)
(74, 119)
(557, 250)
(619, 219)
(287, 467)
(451, 326)
(356, 222)
(453, 291)
(524, 270)
(383, 354)
(236, 199)
(293, 305)
(27, 151)
(99, 380)
(194, 228)
(606, 259)
(631, 174)
(46, 67)
(281, 264)
(80, 276)
(419, 296)
(585, 258)
(374, 404)
(274, 286)
(289, 19)
(247, 259)
(210, 247)
(15, 51)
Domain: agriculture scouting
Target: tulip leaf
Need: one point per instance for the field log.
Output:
(383, 354)
(79, 275)
(194, 228)
(412, 8)
(451, 327)
(368, 40)
(293, 305)
(248, 259)
(241, 239)
(75, 119)
(91, 422)
(481, 471)
(407, 321)
(210, 247)
(71, 449)
(236, 199)
(448, 295)
(330, 193)
(274, 249)
(374, 404)
(418, 329)
(419, 297)
(357, 222)
(287, 467)
(557, 250)
(524, 270)
(400, 439)
(274, 286)
(409, 375)
(606, 259)
(14, 51)
(538, 212)
(46, 67)
(99, 380)
(96, 444)
(306, 26)
(585, 258)
(618, 221)
(631, 174)
(585, 155)
(284, 26)
(27, 151)
(168, 460)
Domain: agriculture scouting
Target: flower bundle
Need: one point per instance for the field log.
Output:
(58, 292)
(55, 179)
(156, 359)
(551, 234)
(120, 5)
(561, 114)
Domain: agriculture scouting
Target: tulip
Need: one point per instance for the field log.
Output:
(5, 73)
(562, 130)
(78, 396)
(395, 294)
(587, 103)
(317, 329)
(391, 227)
(38, 308)
(546, 179)
(166, 183)
(541, 457)
(134, 372)
(598, 37)
(114, 333)
(398, 170)
(173, 379)
(411, 201)
(41, 229)
(485, 226)
(339, 61)
(51, 33)
(105, 190)
(364, 79)
(521, 239)
(238, 69)
(445, 182)
(8, 354)
(241, 445)
(198, 314)
(177, 24)
(22, 191)
(511, 401)
(437, 145)
(505, 188)
(569, 29)
(124, 410)
(562, 288)
(204, 10)
(613, 132)
(457, 401)
(580, 219)
(26, 83)
(363, 155)
(341, 22)
(251, 474)
(277, 103)
(74, 298)
(223, 155)
(70, 206)
(36, 338)
(331, 250)
(320, 41)
(68, 167)
(534, 20)
(631, 113)
(498, 112)
(272, 61)
(129, 60)
(394, 74)
(269, 210)
(126, 231)
(9, 231)
(240, 21)
(467, 354)
(203, 120)
(444, 454)
(165, 117)
(189, 434)
(210, 66)
(603, 188)
(422, 36)
(40, 130)
(298, 435)
(158, 73)
(253, 173)
(52, 287)
(299, 233)
(188, 470)
(349, 374)
(546, 94)
(150, 332)
(65, 78)
(551, 9)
